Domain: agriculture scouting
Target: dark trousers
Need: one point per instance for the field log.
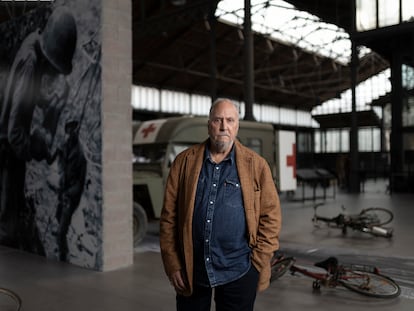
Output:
(238, 295)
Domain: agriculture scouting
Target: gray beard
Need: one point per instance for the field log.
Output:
(222, 146)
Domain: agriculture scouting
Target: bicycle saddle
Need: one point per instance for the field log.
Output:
(329, 264)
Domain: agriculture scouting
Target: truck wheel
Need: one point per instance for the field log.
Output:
(140, 223)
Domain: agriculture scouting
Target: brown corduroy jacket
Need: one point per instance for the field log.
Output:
(261, 204)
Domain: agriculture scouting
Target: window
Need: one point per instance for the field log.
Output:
(407, 10)
(149, 153)
(304, 143)
(388, 13)
(408, 112)
(366, 14)
(337, 140)
(369, 139)
(254, 144)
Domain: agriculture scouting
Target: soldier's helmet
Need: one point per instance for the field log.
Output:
(58, 39)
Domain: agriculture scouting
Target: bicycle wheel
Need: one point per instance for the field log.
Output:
(376, 216)
(369, 284)
(280, 267)
(12, 295)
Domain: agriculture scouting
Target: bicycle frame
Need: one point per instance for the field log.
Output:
(363, 279)
(321, 278)
(366, 221)
(326, 277)
(329, 278)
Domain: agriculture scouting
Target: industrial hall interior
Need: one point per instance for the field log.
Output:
(99, 97)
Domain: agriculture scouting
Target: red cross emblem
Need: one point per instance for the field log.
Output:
(291, 160)
(148, 130)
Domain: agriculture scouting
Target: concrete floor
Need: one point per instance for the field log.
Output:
(49, 285)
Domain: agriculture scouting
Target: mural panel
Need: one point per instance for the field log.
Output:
(50, 132)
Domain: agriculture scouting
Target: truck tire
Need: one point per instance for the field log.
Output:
(140, 222)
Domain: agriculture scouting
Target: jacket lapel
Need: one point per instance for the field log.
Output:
(193, 168)
(245, 170)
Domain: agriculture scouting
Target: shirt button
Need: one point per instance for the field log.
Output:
(214, 185)
(217, 168)
(208, 220)
(207, 241)
(211, 202)
(207, 259)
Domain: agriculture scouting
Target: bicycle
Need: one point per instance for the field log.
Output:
(363, 279)
(370, 220)
(13, 296)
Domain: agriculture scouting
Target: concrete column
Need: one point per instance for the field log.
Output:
(117, 248)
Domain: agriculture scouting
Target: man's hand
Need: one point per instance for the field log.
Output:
(179, 281)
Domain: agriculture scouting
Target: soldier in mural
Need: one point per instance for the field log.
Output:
(36, 80)
(73, 166)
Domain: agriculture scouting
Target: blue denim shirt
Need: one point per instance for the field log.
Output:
(221, 250)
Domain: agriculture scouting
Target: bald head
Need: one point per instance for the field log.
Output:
(220, 101)
(223, 125)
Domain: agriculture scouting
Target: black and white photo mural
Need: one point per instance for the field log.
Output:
(50, 132)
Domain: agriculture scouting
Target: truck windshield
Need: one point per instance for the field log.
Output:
(176, 148)
(149, 153)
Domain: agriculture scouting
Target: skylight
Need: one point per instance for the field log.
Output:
(281, 21)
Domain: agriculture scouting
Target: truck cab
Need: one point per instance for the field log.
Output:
(156, 143)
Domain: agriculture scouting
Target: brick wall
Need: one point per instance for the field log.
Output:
(117, 248)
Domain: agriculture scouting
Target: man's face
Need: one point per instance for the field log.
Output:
(223, 126)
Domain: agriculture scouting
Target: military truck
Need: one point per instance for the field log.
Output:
(156, 143)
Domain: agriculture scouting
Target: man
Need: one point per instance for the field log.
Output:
(73, 165)
(36, 79)
(221, 219)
